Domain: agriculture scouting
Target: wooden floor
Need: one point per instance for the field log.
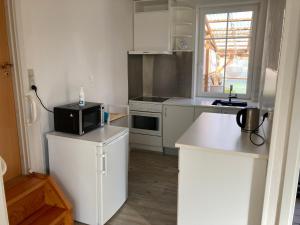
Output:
(297, 213)
(152, 196)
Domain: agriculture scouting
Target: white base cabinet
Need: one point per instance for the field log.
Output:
(219, 188)
(176, 120)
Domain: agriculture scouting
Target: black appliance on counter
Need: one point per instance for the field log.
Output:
(75, 119)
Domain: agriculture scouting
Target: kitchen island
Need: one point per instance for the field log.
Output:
(221, 174)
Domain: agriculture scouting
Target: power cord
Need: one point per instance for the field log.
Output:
(255, 132)
(33, 87)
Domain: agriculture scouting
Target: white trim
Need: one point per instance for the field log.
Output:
(255, 25)
(18, 87)
(290, 182)
(288, 65)
(291, 175)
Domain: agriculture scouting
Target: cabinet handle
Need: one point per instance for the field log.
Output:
(165, 112)
(104, 164)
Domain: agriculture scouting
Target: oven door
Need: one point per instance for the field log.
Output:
(145, 123)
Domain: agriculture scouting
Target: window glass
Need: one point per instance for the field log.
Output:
(226, 52)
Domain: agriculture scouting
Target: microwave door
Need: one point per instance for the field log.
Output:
(67, 121)
(90, 120)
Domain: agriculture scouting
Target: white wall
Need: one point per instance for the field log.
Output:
(73, 43)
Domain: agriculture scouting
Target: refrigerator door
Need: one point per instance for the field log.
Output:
(114, 178)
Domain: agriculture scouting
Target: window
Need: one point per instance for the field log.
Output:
(226, 51)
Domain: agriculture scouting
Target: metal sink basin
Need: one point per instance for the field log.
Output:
(228, 103)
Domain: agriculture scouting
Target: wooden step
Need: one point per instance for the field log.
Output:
(46, 215)
(20, 187)
(37, 199)
(26, 206)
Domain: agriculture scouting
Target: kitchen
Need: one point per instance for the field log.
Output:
(171, 70)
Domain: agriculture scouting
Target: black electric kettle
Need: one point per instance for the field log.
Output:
(248, 119)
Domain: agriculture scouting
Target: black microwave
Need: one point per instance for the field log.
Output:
(75, 119)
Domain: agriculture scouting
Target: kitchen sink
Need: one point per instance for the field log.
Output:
(230, 103)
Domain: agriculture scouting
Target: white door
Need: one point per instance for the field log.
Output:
(114, 176)
(176, 120)
(3, 210)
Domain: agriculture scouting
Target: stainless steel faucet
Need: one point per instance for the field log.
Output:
(230, 97)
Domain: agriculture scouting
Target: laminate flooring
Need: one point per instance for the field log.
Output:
(152, 193)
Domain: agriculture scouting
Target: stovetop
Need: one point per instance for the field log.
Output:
(150, 99)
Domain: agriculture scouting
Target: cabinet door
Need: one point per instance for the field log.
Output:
(152, 31)
(199, 110)
(176, 120)
(114, 176)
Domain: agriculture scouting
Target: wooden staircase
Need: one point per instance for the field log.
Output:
(37, 200)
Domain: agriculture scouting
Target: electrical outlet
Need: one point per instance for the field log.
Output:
(31, 78)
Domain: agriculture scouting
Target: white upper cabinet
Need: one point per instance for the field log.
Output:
(152, 26)
(161, 26)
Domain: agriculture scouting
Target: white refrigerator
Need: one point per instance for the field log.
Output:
(92, 170)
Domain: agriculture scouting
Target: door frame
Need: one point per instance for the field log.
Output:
(291, 173)
(18, 88)
(284, 152)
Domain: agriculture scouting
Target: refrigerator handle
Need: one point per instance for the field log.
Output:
(104, 163)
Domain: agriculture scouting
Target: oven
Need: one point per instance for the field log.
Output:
(147, 123)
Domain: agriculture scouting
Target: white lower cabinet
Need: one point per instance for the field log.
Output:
(176, 120)
(217, 188)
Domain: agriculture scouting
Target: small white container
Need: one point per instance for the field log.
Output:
(81, 97)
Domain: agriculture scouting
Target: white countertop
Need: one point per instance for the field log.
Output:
(205, 102)
(101, 135)
(220, 133)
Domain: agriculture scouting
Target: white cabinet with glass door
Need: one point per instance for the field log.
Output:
(176, 120)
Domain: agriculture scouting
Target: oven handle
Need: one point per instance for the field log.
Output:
(141, 113)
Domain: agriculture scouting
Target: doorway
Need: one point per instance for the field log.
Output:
(9, 139)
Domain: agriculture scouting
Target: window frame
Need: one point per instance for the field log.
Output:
(200, 43)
